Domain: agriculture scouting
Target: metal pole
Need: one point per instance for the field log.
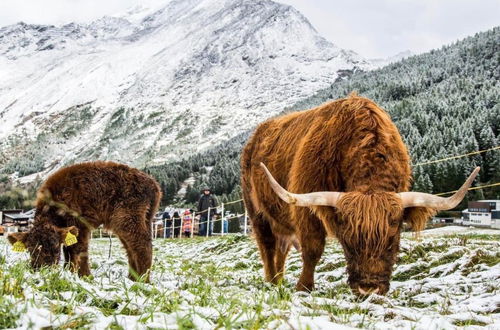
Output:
(208, 221)
(192, 224)
(222, 221)
(165, 228)
(182, 224)
(172, 229)
(246, 217)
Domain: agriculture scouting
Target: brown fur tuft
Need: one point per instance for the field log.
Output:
(417, 217)
(367, 219)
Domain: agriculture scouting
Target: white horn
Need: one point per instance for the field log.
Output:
(416, 199)
(320, 198)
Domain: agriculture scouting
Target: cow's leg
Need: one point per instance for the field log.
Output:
(267, 246)
(312, 239)
(135, 232)
(67, 257)
(131, 260)
(79, 253)
(282, 249)
(141, 249)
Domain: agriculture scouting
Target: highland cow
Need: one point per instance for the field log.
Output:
(350, 172)
(76, 199)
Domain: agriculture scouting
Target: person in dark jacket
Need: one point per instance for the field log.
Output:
(167, 222)
(207, 202)
(177, 223)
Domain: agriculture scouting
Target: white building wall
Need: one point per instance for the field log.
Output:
(478, 219)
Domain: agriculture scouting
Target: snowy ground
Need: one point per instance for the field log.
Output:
(447, 279)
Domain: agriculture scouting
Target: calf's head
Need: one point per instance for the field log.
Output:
(369, 226)
(43, 243)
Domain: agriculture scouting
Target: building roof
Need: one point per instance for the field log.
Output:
(17, 216)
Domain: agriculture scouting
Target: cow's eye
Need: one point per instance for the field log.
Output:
(381, 156)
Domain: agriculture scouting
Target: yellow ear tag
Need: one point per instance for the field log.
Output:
(70, 239)
(18, 247)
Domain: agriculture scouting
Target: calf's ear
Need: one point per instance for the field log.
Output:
(17, 237)
(68, 235)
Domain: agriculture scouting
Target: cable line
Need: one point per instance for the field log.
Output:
(457, 156)
(471, 188)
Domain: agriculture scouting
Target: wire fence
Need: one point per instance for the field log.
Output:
(191, 223)
(456, 156)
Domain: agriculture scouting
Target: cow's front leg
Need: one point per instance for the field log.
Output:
(313, 245)
(67, 256)
(79, 254)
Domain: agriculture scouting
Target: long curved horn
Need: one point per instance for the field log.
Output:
(320, 198)
(416, 199)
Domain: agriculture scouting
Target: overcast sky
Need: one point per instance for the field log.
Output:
(373, 28)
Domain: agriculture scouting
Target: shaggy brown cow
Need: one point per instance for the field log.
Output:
(81, 197)
(349, 146)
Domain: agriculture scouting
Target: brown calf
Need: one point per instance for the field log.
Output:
(78, 198)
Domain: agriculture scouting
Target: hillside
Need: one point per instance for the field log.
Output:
(445, 102)
(154, 84)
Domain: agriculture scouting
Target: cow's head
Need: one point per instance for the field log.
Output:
(43, 243)
(369, 226)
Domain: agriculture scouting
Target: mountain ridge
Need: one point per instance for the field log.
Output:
(175, 81)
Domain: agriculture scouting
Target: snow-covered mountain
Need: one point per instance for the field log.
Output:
(156, 84)
(380, 62)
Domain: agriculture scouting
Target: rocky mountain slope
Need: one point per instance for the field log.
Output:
(155, 84)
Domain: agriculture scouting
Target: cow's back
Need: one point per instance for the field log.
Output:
(95, 189)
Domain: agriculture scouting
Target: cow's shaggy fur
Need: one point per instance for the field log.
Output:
(349, 145)
(84, 196)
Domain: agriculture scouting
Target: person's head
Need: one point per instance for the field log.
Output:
(206, 191)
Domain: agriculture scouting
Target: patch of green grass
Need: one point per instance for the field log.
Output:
(418, 271)
(420, 252)
(416, 304)
(447, 258)
(185, 322)
(468, 323)
(330, 266)
(481, 257)
(80, 321)
(9, 314)
(335, 292)
(474, 236)
(241, 265)
(107, 307)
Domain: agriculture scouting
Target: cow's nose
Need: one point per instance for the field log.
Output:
(368, 291)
